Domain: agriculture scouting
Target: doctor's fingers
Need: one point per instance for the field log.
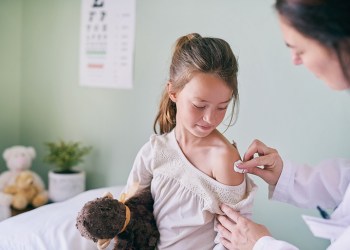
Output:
(230, 212)
(225, 222)
(233, 219)
(231, 242)
(232, 237)
(227, 244)
(225, 230)
(271, 167)
(257, 147)
(268, 161)
(270, 176)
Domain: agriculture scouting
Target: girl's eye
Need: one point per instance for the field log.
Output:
(198, 106)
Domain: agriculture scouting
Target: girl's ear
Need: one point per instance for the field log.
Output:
(171, 92)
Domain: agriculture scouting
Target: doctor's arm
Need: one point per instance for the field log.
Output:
(343, 242)
(300, 185)
(310, 186)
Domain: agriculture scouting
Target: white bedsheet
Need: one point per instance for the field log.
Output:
(50, 227)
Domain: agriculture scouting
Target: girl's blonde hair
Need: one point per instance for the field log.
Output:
(193, 53)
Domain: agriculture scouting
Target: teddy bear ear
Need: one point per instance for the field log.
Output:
(6, 154)
(108, 195)
(31, 152)
(9, 151)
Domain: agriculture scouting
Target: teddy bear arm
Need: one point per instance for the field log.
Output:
(152, 242)
(39, 183)
(6, 178)
(19, 201)
(153, 238)
(40, 199)
(11, 189)
(125, 241)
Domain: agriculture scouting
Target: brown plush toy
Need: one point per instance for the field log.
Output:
(25, 191)
(131, 224)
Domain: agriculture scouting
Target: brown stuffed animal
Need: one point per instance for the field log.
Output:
(131, 224)
(25, 192)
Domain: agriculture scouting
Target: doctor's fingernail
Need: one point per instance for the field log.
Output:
(236, 169)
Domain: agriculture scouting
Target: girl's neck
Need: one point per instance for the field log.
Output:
(185, 138)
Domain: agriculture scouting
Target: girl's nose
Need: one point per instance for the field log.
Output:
(209, 117)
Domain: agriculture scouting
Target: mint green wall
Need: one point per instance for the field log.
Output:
(283, 105)
(10, 66)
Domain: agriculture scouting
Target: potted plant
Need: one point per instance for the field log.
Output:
(65, 180)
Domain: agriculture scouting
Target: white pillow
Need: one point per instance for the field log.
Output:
(51, 226)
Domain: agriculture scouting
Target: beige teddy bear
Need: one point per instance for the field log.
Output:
(24, 192)
(18, 159)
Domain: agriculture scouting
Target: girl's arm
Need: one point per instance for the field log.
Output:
(141, 172)
(223, 171)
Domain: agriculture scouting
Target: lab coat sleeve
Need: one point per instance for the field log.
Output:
(269, 243)
(343, 241)
(305, 186)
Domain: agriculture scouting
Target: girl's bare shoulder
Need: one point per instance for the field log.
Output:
(225, 154)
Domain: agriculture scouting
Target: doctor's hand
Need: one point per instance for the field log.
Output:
(268, 158)
(237, 231)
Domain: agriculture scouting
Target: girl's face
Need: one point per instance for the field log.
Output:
(320, 60)
(201, 104)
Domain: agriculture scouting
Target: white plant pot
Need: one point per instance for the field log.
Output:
(65, 186)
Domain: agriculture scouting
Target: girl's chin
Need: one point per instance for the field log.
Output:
(204, 128)
(202, 131)
(340, 86)
(337, 84)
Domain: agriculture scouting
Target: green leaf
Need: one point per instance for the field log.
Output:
(65, 155)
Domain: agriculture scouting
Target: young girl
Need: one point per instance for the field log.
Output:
(189, 163)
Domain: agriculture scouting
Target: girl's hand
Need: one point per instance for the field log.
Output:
(268, 165)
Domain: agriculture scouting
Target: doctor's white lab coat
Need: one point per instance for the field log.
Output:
(326, 185)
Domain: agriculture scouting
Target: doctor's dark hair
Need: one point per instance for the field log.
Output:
(194, 53)
(326, 21)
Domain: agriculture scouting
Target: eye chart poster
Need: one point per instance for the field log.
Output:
(107, 43)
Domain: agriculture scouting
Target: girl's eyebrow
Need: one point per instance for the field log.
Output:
(227, 101)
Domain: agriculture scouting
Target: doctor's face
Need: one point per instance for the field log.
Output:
(321, 61)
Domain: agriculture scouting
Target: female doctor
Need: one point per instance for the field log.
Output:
(318, 35)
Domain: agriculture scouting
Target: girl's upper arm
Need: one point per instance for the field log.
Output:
(223, 171)
(141, 172)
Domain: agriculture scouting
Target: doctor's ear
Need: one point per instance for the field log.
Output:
(171, 92)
